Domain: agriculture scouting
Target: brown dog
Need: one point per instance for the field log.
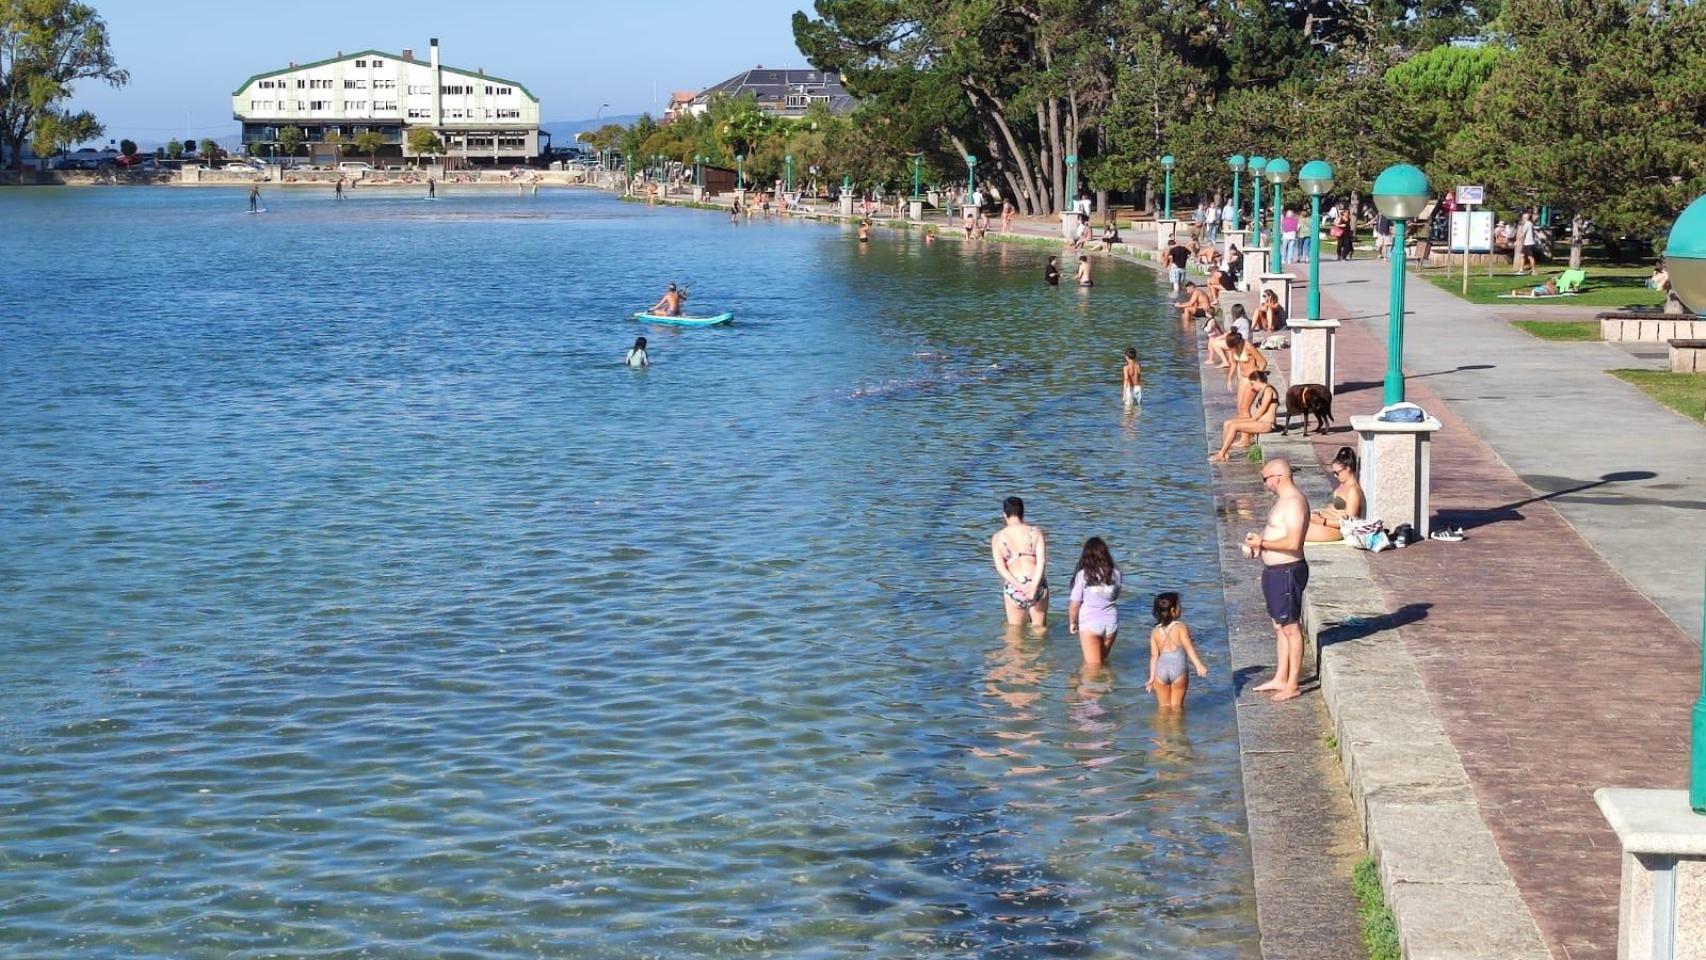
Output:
(1309, 400)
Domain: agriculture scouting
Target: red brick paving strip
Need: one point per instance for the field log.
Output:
(1550, 673)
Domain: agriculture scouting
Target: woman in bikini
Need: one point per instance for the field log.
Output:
(1348, 500)
(1020, 551)
(1259, 421)
(1245, 360)
(1169, 646)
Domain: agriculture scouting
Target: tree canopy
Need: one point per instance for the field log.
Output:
(46, 46)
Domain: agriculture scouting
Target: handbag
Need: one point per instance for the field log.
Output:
(1336, 232)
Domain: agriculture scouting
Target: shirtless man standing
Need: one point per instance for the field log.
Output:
(1285, 574)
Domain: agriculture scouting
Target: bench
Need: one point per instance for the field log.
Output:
(1629, 327)
(1688, 356)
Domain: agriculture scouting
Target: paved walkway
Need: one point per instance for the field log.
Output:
(1628, 474)
(1550, 672)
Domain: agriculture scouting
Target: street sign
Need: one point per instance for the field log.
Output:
(1474, 227)
(1471, 196)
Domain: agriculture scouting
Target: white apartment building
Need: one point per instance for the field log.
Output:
(480, 118)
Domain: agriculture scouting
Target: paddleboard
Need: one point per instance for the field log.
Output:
(685, 321)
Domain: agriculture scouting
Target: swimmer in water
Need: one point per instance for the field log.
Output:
(1084, 272)
(1131, 379)
(1169, 647)
(1051, 272)
(1020, 551)
(864, 231)
(637, 357)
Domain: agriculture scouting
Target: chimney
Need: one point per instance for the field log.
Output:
(408, 53)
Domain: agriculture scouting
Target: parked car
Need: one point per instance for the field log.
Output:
(240, 168)
(355, 166)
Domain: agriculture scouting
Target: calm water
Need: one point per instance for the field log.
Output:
(356, 601)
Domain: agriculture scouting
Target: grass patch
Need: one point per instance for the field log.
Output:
(1330, 740)
(1683, 392)
(1559, 329)
(1607, 286)
(1379, 931)
(1254, 454)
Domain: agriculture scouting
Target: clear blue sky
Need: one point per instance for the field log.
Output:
(186, 56)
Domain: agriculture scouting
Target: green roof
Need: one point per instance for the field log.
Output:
(381, 53)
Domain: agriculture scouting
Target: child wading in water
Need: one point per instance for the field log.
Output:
(1092, 614)
(1131, 379)
(1169, 646)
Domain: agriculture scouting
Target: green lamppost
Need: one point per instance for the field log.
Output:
(917, 163)
(846, 186)
(790, 161)
(1071, 179)
(740, 171)
(1316, 178)
(1400, 192)
(1167, 191)
(1685, 255)
(698, 170)
(1256, 165)
(1236, 162)
(971, 176)
(1278, 172)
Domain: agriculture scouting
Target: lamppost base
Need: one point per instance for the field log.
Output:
(1068, 224)
(1395, 470)
(1280, 284)
(1313, 348)
(1662, 908)
(1165, 232)
(1255, 263)
(1229, 238)
(845, 205)
(698, 194)
(915, 210)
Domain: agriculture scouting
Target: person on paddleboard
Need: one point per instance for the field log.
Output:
(255, 199)
(670, 305)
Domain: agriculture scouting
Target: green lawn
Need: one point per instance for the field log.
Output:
(1607, 287)
(1683, 392)
(1560, 329)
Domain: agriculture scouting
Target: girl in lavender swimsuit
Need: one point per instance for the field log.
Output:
(1092, 614)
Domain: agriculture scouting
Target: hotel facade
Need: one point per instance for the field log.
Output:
(480, 119)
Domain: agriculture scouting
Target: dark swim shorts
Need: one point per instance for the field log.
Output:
(1282, 588)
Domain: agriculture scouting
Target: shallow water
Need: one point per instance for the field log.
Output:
(357, 601)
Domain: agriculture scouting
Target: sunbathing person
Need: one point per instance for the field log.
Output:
(1547, 289)
(1265, 408)
(1348, 500)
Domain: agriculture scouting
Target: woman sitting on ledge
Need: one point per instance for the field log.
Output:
(1260, 417)
(1348, 501)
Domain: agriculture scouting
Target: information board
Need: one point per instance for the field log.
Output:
(1473, 196)
(1475, 226)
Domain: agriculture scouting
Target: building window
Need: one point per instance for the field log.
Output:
(361, 64)
(379, 63)
(384, 84)
(797, 99)
(301, 84)
(455, 90)
(319, 104)
(384, 104)
(355, 84)
(509, 114)
(415, 113)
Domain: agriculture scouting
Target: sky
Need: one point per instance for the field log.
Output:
(186, 56)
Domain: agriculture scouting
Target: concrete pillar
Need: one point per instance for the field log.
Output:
(1280, 284)
(1164, 233)
(1395, 469)
(844, 204)
(1231, 238)
(1312, 352)
(915, 210)
(1661, 911)
(698, 194)
(1068, 223)
(1255, 264)
(935, 197)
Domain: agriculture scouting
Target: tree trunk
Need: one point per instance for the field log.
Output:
(1057, 159)
(1033, 203)
(1149, 194)
(1576, 226)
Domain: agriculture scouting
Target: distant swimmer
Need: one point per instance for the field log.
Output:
(637, 357)
(1051, 272)
(255, 199)
(864, 231)
(1084, 272)
(670, 305)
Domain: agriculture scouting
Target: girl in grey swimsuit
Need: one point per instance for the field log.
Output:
(1169, 647)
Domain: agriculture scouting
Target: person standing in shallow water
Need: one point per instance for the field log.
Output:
(1131, 379)
(1020, 552)
(1285, 574)
(1051, 272)
(1169, 647)
(1091, 614)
